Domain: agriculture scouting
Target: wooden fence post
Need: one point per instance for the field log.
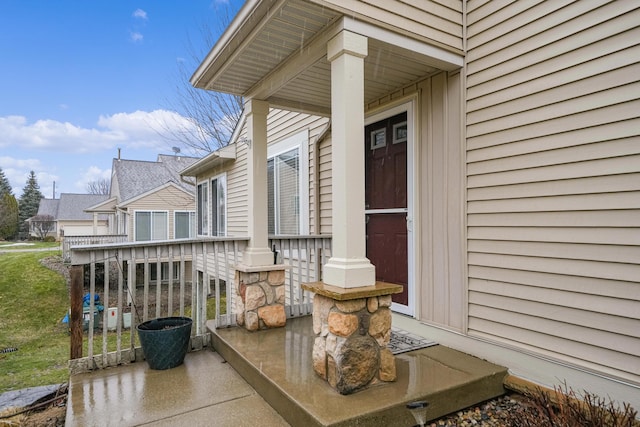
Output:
(75, 317)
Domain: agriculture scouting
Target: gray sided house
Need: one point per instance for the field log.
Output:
(485, 155)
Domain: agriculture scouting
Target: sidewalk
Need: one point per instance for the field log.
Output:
(204, 391)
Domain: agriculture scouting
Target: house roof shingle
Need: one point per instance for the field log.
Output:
(135, 177)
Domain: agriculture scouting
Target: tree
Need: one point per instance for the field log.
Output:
(5, 186)
(211, 117)
(29, 203)
(99, 186)
(43, 225)
(8, 216)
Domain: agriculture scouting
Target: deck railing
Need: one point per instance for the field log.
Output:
(139, 281)
(68, 241)
(304, 256)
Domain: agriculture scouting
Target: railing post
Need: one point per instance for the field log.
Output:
(75, 317)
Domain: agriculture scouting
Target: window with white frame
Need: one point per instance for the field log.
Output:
(288, 185)
(184, 224)
(203, 209)
(219, 205)
(151, 225)
(212, 207)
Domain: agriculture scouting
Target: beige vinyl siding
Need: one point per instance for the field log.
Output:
(440, 182)
(324, 186)
(168, 199)
(437, 21)
(280, 125)
(553, 179)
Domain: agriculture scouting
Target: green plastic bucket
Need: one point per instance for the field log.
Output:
(165, 341)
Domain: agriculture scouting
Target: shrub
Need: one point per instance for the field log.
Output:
(49, 239)
(565, 408)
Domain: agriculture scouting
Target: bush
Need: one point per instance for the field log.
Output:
(49, 239)
(565, 408)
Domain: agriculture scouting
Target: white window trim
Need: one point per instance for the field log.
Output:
(151, 211)
(299, 140)
(195, 222)
(220, 177)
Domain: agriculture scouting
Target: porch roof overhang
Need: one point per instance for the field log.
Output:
(276, 50)
(108, 206)
(212, 160)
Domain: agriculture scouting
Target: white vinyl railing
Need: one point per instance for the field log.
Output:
(305, 256)
(68, 241)
(139, 281)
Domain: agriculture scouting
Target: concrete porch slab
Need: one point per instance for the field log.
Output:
(204, 391)
(277, 364)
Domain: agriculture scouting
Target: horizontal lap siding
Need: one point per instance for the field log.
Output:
(553, 179)
(437, 21)
(280, 125)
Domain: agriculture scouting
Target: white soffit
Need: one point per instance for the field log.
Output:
(282, 57)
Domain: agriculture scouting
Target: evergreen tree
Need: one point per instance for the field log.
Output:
(8, 216)
(29, 203)
(5, 186)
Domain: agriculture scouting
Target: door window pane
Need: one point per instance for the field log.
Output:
(203, 209)
(218, 206)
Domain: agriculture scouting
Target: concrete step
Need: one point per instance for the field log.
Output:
(277, 364)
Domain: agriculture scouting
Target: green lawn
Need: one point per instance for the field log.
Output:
(33, 300)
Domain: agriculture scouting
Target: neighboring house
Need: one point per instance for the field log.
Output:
(149, 200)
(70, 218)
(494, 148)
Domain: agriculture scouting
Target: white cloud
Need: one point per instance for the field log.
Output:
(139, 13)
(140, 129)
(136, 37)
(92, 173)
(17, 172)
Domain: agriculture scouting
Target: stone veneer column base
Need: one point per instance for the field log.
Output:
(261, 297)
(353, 328)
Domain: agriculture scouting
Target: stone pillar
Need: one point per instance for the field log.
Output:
(257, 252)
(348, 267)
(352, 329)
(260, 297)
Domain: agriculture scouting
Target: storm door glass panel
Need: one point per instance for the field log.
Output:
(160, 226)
(218, 206)
(143, 226)
(284, 193)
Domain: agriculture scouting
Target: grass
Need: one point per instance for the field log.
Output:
(33, 301)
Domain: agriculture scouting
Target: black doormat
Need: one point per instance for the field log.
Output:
(402, 341)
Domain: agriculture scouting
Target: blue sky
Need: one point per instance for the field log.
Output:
(80, 79)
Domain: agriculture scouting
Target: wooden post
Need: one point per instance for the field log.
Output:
(75, 317)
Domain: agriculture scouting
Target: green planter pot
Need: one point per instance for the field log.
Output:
(165, 341)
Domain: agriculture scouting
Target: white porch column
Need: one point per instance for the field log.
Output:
(349, 266)
(257, 252)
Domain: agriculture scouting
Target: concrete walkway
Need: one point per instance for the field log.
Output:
(204, 391)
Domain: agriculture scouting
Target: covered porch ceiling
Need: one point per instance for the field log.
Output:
(276, 50)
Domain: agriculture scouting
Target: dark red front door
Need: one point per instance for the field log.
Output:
(386, 200)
